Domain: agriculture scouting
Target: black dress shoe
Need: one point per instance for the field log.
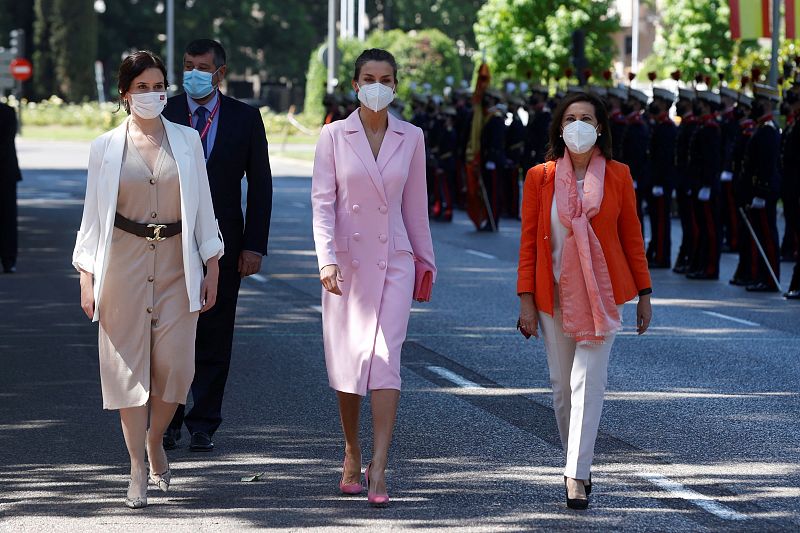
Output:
(576, 503)
(762, 287)
(681, 269)
(201, 442)
(9, 265)
(171, 438)
(701, 276)
(792, 295)
(740, 282)
(653, 264)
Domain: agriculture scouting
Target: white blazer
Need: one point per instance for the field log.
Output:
(200, 234)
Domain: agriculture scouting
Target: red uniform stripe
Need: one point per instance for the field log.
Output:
(790, 20)
(736, 24)
(766, 27)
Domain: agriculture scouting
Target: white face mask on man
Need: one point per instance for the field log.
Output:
(579, 136)
(375, 96)
(147, 105)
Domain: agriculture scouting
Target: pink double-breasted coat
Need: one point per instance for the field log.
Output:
(370, 219)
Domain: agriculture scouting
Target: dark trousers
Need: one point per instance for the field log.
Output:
(790, 247)
(641, 200)
(730, 219)
(708, 239)
(491, 180)
(765, 225)
(688, 230)
(748, 254)
(212, 357)
(444, 188)
(659, 251)
(511, 191)
(8, 222)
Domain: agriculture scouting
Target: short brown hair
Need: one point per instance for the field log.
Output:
(135, 64)
(556, 146)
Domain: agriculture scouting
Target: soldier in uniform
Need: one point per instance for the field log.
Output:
(333, 111)
(662, 173)
(493, 152)
(515, 153)
(463, 125)
(790, 247)
(729, 129)
(790, 185)
(743, 194)
(705, 166)
(539, 117)
(683, 186)
(617, 96)
(635, 142)
(9, 176)
(447, 145)
(762, 165)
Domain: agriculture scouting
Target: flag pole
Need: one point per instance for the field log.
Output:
(776, 39)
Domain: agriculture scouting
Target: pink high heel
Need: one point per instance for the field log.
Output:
(350, 488)
(375, 500)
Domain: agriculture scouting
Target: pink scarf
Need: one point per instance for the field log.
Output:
(588, 310)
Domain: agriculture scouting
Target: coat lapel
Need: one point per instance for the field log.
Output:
(224, 127)
(111, 169)
(391, 142)
(355, 135)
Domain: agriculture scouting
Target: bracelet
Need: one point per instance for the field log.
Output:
(646, 291)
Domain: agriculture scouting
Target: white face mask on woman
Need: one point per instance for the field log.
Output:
(579, 136)
(147, 105)
(375, 96)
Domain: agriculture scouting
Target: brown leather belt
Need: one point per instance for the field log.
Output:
(151, 232)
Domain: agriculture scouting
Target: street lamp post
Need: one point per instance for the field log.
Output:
(171, 40)
(331, 44)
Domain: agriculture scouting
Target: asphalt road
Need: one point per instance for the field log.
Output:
(700, 430)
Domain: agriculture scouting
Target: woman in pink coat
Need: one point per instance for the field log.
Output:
(369, 202)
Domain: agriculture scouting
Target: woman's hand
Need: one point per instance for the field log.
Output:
(87, 293)
(330, 276)
(644, 313)
(208, 289)
(528, 314)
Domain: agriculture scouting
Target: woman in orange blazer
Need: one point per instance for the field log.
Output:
(581, 257)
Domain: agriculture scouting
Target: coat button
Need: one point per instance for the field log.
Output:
(354, 263)
(383, 209)
(382, 238)
(152, 246)
(356, 236)
(150, 279)
(356, 208)
(545, 237)
(149, 309)
(152, 181)
(382, 265)
(153, 214)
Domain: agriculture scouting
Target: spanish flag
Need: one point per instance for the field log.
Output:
(792, 19)
(750, 19)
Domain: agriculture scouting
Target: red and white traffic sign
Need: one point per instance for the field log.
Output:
(21, 69)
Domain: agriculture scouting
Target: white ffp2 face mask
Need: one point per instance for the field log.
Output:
(579, 136)
(375, 96)
(148, 105)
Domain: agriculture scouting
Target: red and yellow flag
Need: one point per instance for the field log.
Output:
(750, 19)
(792, 19)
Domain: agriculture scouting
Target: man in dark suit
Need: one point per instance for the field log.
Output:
(662, 175)
(235, 145)
(9, 176)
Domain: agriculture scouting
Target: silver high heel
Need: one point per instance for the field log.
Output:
(161, 480)
(140, 502)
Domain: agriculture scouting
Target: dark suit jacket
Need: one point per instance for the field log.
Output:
(240, 149)
(9, 167)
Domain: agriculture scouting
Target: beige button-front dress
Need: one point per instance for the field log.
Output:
(147, 332)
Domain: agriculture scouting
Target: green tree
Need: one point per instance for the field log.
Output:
(43, 66)
(455, 18)
(694, 38)
(532, 39)
(73, 40)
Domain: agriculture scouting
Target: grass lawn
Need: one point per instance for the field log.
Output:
(289, 154)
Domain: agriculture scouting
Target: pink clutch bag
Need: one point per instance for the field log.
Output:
(423, 281)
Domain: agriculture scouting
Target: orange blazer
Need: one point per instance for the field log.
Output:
(616, 225)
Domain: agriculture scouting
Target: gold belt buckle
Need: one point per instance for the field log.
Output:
(156, 232)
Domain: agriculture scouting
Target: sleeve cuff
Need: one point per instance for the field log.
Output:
(646, 291)
(212, 248)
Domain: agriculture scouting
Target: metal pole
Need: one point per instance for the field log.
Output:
(776, 37)
(362, 14)
(351, 18)
(635, 38)
(331, 43)
(171, 41)
(343, 19)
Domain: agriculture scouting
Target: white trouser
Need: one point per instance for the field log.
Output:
(578, 375)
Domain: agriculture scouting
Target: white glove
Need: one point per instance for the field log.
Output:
(635, 185)
(704, 194)
(726, 176)
(490, 165)
(658, 191)
(758, 203)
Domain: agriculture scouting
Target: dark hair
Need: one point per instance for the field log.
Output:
(203, 46)
(132, 66)
(556, 146)
(374, 54)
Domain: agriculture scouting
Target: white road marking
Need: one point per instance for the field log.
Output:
(317, 308)
(298, 204)
(258, 277)
(701, 500)
(734, 319)
(452, 377)
(480, 254)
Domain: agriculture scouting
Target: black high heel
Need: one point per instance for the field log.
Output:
(575, 503)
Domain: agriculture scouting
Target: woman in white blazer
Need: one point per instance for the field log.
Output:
(148, 227)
